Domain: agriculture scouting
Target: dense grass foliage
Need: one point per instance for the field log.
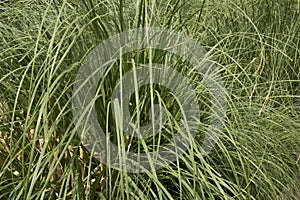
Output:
(256, 46)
